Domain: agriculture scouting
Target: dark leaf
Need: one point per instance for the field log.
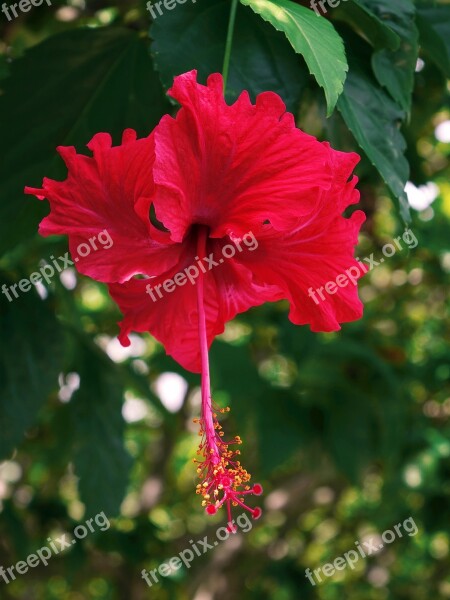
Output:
(374, 119)
(312, 36)
(262, 59)
(100, 458)
(31, 354)
(395, 69)
(59, 95)
(434, 27)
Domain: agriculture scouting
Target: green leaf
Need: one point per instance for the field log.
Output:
(359, 398)
(4, 67)
(349, 435)
(261, 60)
(62, 92)
(14, 527)
(284, 428)
(374, 119)
(31, 351)
(100, 458)
(434, 27)
(365, 22)
(269, 420)
(395, 69)
(312, 36)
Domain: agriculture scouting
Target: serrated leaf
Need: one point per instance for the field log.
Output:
(100, 458)
(31, 352)
(365, 22)
(374, 119)
(262, 59)
(312, 36)
(62, 92)
(434, 27)
(395, 69)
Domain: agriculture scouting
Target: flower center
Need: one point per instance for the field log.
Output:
(224, 480)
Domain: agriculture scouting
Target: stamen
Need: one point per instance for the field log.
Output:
(224, 480)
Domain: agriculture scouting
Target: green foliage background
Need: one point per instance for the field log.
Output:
(348, 432)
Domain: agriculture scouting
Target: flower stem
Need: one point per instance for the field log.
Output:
(207, 412)
(229, 43)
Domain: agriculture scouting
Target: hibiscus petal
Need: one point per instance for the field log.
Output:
(109, 192)
(172, 317)
(237, 290)
(233, 167)
(319, 250)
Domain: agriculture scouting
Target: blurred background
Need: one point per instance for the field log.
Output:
(347, 432)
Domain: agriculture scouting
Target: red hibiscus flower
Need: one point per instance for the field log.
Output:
(218, 210)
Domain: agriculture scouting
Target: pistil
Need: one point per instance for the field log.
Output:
(224, 480)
